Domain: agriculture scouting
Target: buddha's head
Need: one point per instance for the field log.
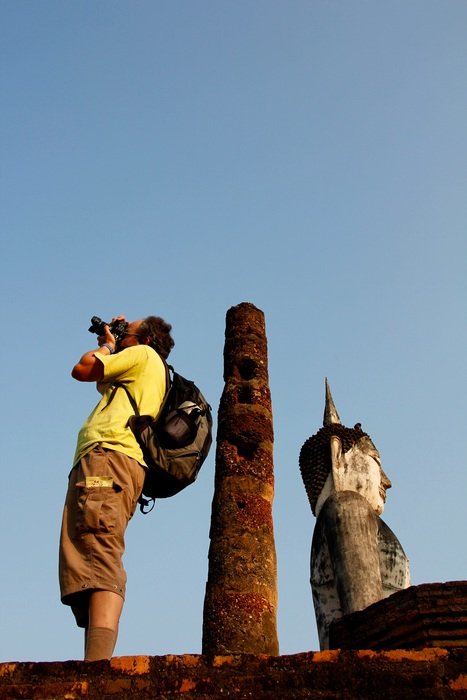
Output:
(337, 458)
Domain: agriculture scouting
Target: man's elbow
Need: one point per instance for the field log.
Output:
(88, 369)
(79, 372)
(87, 373)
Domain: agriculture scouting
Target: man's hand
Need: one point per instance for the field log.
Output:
(89, 368)
(118, 318)
(107, 338)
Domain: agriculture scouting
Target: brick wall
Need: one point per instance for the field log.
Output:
(363, 675)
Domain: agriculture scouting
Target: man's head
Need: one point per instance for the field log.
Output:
(152, 331)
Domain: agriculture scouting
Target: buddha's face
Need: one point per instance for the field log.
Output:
(360, 470)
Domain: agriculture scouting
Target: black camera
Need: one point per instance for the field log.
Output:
(118, 329)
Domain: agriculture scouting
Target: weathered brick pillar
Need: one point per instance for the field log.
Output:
(241, 592)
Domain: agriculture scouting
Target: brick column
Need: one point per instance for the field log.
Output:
(241, 592)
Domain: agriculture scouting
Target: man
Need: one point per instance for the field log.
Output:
(108, 475)
(355, 558)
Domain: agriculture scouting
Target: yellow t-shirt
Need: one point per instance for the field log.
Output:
(142, 371)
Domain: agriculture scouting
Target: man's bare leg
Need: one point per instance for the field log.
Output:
(105, 608)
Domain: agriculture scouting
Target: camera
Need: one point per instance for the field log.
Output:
(118, 329)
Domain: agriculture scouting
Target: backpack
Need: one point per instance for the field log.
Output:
(176, 442)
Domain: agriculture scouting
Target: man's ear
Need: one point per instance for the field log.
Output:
(337, 462)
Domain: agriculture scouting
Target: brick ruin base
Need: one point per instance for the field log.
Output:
(427, 615)
(362, 675)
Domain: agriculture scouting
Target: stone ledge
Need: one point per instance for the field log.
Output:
(427, 615)
(363, 675)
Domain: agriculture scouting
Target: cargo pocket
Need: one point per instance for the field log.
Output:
(97, 508)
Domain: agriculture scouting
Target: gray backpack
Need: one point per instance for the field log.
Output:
(175, 443)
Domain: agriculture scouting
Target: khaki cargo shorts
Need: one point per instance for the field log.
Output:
(103, 492)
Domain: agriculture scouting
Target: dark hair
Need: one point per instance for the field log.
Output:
(315, 456)
(157, 331)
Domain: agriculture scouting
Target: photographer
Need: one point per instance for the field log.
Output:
(107, 478)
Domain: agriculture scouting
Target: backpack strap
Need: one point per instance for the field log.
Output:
(134, 405)
(145, 504)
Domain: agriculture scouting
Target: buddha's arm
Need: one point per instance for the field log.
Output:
(351, 533)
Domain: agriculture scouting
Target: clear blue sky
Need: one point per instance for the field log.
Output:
(179, 158)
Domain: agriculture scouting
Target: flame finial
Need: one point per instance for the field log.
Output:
(330, 413)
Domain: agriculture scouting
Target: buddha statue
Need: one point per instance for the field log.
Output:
(356, 559)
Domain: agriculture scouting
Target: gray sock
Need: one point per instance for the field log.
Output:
(100, 643)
